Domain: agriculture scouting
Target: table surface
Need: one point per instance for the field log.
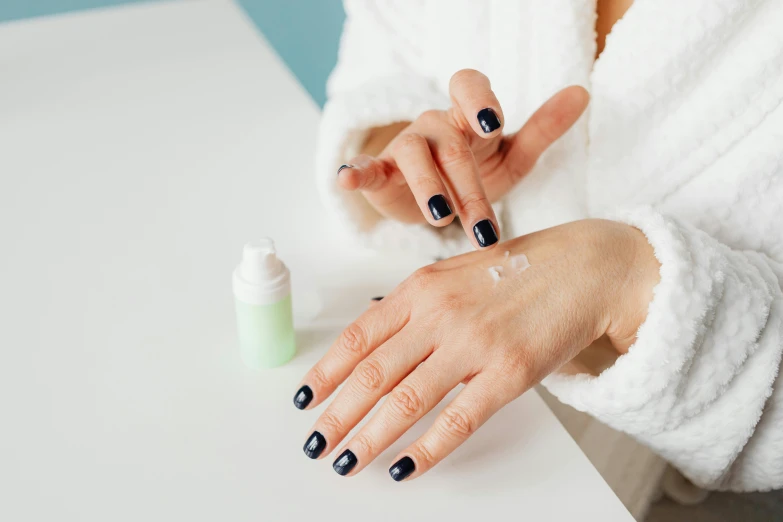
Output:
(141, 147)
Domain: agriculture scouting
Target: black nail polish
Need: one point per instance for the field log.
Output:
(343, 167)
(485, 233)
(439, 207)
(315, 445)
(377, 298)
(303, 397)
(345, 462)
(402, 468)
(488, 120)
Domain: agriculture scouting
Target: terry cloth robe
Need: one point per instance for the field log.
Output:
(683, 139)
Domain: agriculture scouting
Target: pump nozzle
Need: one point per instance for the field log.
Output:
(260, 262)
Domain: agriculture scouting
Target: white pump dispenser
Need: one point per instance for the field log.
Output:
(262, 291)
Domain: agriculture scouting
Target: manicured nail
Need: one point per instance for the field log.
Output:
(345, 462)
(485, 233)
(439, 207)
(315, 445)
(303, 397)
(377, 298)
(488, 120)
(343, 167)
(402, 468)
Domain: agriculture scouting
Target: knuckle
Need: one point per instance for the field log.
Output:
(424, 457)
(421, 279)
(406, 401)
(458, 422)
(354, 340)
(320, 379)
(431, 116)
(455, 152)
(331, 423)
(425, 184)
(363, 445)
(474, 201)
(369, 376)
(421, 276)
(409, 142)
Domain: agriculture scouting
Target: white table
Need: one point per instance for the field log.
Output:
(140, 147)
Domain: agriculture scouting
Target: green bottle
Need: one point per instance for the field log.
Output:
(262, 293)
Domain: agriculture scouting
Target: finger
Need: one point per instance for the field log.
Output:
(366, 173)
(414, 159)
(370, 381)
(472, 94)
(476, 403)
(373, 328)
(456, 162)
(383, 186)
(544, 127)
(408, 402)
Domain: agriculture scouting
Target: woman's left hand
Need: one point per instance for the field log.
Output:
(452, 322)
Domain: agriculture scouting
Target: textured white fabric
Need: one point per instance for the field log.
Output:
(684, 131)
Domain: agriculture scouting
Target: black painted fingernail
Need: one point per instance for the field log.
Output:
(402, 468)
(485, 233)
(345, 462)
(377, 298)
(303, 397)
(488, 120)
(343, 167)
(315, 445)
(439, 207)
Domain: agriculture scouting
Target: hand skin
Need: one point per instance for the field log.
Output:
(450, 153)
(450, 323)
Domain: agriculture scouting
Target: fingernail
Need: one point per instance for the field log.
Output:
(377, 298)
(345, 462)
(303, 397)
(343, 167)
(315, 445)
(402, 468)
(439, 207)
(485, 233)
(488, 120)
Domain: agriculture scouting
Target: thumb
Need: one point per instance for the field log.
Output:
(545, 126)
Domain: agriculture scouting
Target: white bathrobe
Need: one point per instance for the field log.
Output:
(684, 131)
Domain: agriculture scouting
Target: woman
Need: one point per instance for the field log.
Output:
(682, 130)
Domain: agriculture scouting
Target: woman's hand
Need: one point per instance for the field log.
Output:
(452, 322)
(458, 159)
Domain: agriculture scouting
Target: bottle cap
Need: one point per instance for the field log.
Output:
(261, 277)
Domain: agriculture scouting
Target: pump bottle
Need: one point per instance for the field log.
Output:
(262, 294)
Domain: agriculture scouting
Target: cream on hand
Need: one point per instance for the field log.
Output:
(262, 293)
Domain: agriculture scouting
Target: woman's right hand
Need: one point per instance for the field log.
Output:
(459, 159)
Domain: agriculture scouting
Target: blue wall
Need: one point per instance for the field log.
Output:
(305, 33)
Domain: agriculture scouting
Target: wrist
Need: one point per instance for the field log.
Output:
(635, 291)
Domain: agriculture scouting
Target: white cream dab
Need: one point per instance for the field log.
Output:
(519, 263)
